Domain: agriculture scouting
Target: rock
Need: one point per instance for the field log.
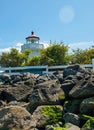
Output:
(51, 127)
(67, 86)
(33, 101)
(45, 77)
(84, 89)
(87, 106)
(70, 126)
(15, 117)
(46, 93)
(5, 78)
(47, 115)
(71, 118)
(74, 69)
(72, 106)
(18, 92)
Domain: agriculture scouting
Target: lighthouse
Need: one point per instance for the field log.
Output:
(32, 43)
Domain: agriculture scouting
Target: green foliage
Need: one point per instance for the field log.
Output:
(34, 61)
(55, 54)
(11, 59)
(82, 56)
(14, 58)
(54, 113)
(26, 54)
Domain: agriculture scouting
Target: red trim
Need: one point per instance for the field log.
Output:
(32, 36)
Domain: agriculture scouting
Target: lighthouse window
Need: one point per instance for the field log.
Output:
(32, 41)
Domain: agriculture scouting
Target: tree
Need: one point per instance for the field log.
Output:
(4, 59)
(82, 56)
(26, 54)
(76, 57)
(12, 59)
(34, 61)
(55, 54)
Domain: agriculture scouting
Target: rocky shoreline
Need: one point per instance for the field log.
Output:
(59, 101)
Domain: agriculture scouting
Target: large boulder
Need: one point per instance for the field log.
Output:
(46, 93)
(15, 118)
(71, 118)
(18, 91)
(87, 106)
(84, 88)
(72, 106)
(70, 126)
(74, 69)
(47, 115)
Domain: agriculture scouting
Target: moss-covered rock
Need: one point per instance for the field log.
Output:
(53, 112)
(59, 128)
(47, 115)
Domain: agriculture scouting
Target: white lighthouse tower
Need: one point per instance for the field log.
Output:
(32, 43)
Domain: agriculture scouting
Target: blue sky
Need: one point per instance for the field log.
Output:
(70, 21)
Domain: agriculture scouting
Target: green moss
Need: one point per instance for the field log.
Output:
(61, 96)
(59, 128)
(53, 112)
(86, 117)
(89, 125)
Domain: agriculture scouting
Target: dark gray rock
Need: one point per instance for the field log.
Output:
(87, 106)
(83, 89)
(74, 69)
(71, 118)
(46, 93)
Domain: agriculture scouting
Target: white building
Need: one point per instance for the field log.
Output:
(32, 43)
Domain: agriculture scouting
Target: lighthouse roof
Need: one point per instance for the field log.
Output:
(32, 36)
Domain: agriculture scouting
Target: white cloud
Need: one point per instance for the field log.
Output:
(80, 45)
(17, 46)
(5, 50)
(66, 14)
(45, 43)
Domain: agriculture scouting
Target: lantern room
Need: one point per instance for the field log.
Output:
(32, 38)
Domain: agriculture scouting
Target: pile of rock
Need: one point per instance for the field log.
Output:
(59, 101)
